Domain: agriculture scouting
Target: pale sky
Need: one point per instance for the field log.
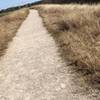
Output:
(10, 3)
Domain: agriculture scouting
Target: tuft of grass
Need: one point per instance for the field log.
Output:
(9, 23)
(76, 29)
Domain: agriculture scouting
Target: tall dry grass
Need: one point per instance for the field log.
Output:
(9, 23)
(76, 29)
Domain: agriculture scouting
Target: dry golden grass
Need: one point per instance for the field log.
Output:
(76, 29)
(9, 23)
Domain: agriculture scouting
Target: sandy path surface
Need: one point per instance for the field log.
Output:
(32, 69)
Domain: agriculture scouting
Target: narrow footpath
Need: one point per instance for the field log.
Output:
(32, 69)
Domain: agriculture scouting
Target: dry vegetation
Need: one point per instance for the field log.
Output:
(9, 23)
(76, 29)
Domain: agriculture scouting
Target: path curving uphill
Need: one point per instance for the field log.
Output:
(32, 69)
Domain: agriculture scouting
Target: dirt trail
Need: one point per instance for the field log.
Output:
(32, 69)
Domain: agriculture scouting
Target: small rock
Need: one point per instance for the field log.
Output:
(63, 85)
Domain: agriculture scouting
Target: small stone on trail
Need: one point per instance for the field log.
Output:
(63, 85)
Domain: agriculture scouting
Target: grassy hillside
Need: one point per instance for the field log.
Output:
(76, 29)
(9, 23)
